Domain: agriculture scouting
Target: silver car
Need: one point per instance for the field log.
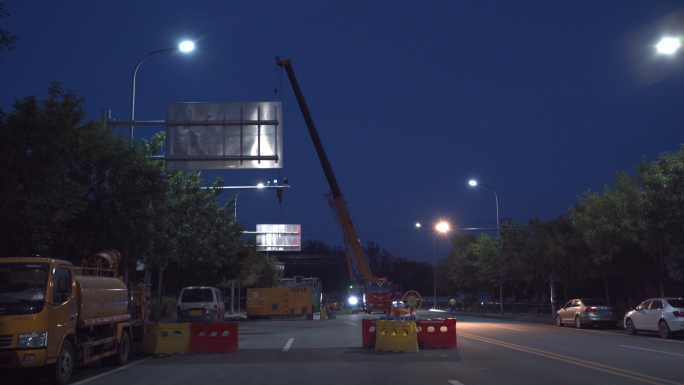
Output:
(201, 304)
(662, 315)
(587, 312)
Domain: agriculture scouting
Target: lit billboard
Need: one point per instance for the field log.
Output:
(207, 136)
(279, 237)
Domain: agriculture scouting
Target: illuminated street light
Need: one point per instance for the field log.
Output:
(669, 45)
(474, 183)
(268, 185)
(441, 227)
(185, 46)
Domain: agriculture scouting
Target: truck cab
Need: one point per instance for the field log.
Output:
(37, 309)
(54, 314)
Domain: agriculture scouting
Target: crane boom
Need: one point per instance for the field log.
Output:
(354, 250)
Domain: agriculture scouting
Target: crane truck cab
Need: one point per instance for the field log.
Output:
(369, 295)
(54, 314)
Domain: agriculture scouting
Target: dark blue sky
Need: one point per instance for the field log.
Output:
(542, 100)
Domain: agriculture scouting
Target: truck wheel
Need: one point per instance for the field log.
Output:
(122, 351)
(60, 372)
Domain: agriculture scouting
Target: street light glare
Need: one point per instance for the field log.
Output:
(417, 224)
(668, 45)
(260, 185)
(472, 182)
(442, 227)
(186, 46)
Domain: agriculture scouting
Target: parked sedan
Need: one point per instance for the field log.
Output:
(587, 312)
(662, 315)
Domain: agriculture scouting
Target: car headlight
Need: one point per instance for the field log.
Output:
(353, 300)
(32, 340)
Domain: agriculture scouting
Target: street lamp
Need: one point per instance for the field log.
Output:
(441, 227)
(268, 185)
(185, 46)
(474, 183)
(668, 45)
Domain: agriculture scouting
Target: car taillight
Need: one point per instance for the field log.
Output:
(678, 313)
(613, 310)
(590, 310)
(215, 309)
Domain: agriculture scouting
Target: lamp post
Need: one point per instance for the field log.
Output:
(185, 46)
(268, 185)
(441, 227)
(474, 183)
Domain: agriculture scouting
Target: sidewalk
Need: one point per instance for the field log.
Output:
(542, 318)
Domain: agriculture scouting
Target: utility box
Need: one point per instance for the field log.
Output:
(280, 301)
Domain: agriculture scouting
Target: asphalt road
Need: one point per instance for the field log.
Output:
(490, 351)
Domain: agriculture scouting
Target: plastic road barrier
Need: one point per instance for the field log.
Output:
(217, 337)
(396, 336)
(368, 332)
(436, 333)
(167, 338)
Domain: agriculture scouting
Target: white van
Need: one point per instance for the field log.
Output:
(201, 304)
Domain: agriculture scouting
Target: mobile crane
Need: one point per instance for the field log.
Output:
(367, 293)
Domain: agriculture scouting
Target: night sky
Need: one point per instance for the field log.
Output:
(541, 100)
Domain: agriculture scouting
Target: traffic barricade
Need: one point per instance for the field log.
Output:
(216, 337)
(398, 318)
(368, 332)
(396, 336)
(166, 338)
(436, 333)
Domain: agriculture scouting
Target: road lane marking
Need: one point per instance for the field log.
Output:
(576, 361)
(454, 382)
(650, 350)
(110, 372)
(288, 344)
(501, 327)
(673, 341)
(352, 324)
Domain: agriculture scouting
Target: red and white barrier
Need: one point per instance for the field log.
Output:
(217, 337)
(436, 333)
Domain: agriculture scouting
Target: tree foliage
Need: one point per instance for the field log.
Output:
(72, 188)
(7, 39)
(624, 243)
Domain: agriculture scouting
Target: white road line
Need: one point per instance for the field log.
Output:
(353, 324)
(650, 350)
(454, 382)
(110, 372)
(501, 327)
(288, 344)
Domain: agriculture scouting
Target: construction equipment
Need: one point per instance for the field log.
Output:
(54, 314)
(367, 293)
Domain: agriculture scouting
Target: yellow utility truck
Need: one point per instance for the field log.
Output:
(54, 314)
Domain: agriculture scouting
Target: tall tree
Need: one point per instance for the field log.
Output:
(7, 39)
(457, 272)
(516, 258)
(663, 213)
(489, 263)
(609, 223)
(71, 188)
